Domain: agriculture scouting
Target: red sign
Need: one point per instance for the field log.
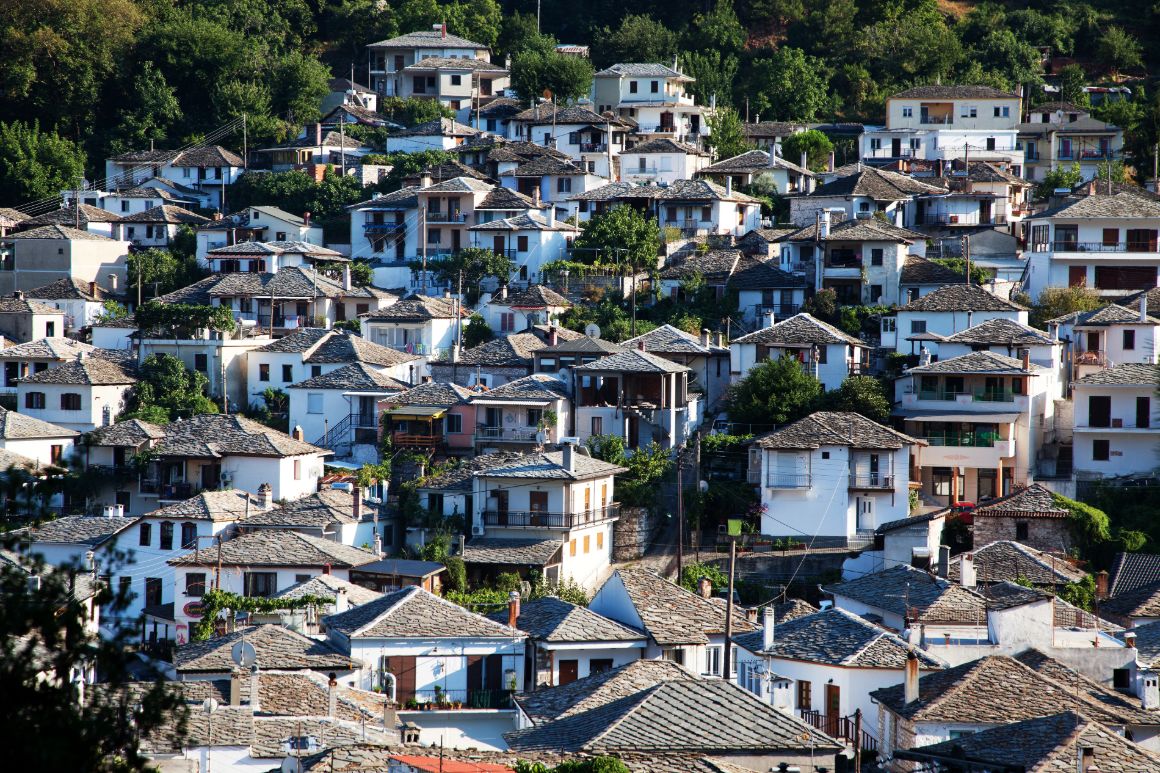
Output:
(193, 609)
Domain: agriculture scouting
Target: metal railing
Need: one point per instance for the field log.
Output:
(789, 480)
(1070, 246)
(412, 440)
(839, 727)
(593, 147)
(871, 480)
(888, 152)
(510, 434)
(370, 227)
(936, 120)
(994, 396)
(964, 219)
(939, 394)
(779, 309)
(964, 439)
(446, 217)
(542, 519)
(1092, 357)
(454, 700)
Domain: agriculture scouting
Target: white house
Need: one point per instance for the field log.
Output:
(704, 208)
(1006, 337)
(530, 240)
(343, 515)
(387, 59)
(440, 134)
(567, 642)
(22, 321)
(708, 362)
(826, 352)
(984, 417)
(762, 287)
(23, 359)
(84, 394)
(834, 475)
(156, 227)
(864, 192)
(420, 325)
(452, 672)
(90, 219)
(1105, 337)
(524, 413)
(563, 497)
(654, 97)
(763, 168)
(316, 149)
(1106, 243)
(1058, 135)
(682, 627)
(81, 302)
(523, 310)
(944, 312)
(1116, 430)
(458, 83)
(209, 169)
(257, 224)
(45, 254)
(69, 539)
(592, 140)
(662, 161)
(30, 437)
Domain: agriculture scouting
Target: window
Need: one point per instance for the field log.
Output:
(674, 655)
(201, 362)
(1143, 412)
(1121, 678)
(124, 586)
(1101, 450)
(572, 548)
(316, 370)
(597, 425)
(915, 143)
(454, 423)
(56, 453)
(875, 293)
(145, 535)
(434, 235)
(188, 535)
(287, 373)
(803, 696)
(908, 112)
(264, 372)
(632, 86)
(50, 329)
(1099, 411)
(456, 80)
(713, 661)
(563, 185)
(280, 236)
(124, 206)
(953, 734)
(300, 578)
(1021, 530)
(1129, 339)
(917, 326)
(167, 535)
(1006, 112)
(34, 400)
(875, 143)
(654, 87)
(264, 584)
(587, 544)
(70, 401)
(297, 469)
(600, 540)
(876, 256)
(599, 665)
(153, 591)
(314, 402)
(195, 584)
(889, 324)
(522, 243)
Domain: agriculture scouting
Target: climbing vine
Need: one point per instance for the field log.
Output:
(214, 602)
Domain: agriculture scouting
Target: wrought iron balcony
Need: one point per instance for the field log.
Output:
(542, 519)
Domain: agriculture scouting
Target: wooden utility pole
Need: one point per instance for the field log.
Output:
(858, 739)
(725, 661)
(967, 255)
(423, 244)
(680, 518)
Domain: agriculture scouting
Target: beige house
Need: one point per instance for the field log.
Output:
(47, 253)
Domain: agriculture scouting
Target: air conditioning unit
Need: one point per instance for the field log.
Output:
(227, 477)
(477, 529)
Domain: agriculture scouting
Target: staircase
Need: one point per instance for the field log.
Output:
(337, 439)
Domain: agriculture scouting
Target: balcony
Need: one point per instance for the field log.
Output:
(789, 480)
(1070, 246)
(593, 147)
(972, 218)
(966, 450)
(506, 435)
(1096, 358)
(178, 491)
(779, 310)
(871, 480)
(383, 227)
(542, 519)
(452, 218)
(936, 120)
(963, 439)
(415, 440)
(888, 152)
(455, 700)
(993, 396)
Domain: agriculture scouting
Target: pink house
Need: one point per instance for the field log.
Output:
(432, 415)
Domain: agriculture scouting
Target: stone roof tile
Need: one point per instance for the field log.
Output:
(835, 428)
(415, 613)
(551, 619)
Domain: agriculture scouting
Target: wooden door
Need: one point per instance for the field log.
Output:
(833, 708)
(569, 672)
(497, 245)
(403, 668)
(895, 147)
(538, 501)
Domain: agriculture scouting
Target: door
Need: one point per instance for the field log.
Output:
(865, 507)
(896, 147)
(366, 411)
(497, 245)
(538, 505)
(1099, 411)
(985, 212)
(633, 432)
(833, 708)
(402, 667)
(455, 236)
(569, 672)
(1143, 411)
(501, 506)
(873, 469)
(1077, 276)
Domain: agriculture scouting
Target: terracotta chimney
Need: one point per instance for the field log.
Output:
(910, 682)
(514, 609)
(332, 684)
(640, 345)
(553, 336)
(297, 433)
(1101, 585)
(93, 289)
(705, 587)
(1027, 360)
(356, 502)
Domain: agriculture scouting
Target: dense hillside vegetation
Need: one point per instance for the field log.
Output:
(110, 75)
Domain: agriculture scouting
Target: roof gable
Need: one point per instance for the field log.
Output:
(414, 612)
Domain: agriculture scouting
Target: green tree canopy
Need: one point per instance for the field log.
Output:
(620, 235)
(167, 390)
(639, 38)
(1064, 177)
(475, 263)
(1072, 79)
(860, 394)
(539, 68)
(726, 134)
(773, 392)
(36, 164)
(813, 143)
(1056, 301)
(787, 85)
(1119, 50)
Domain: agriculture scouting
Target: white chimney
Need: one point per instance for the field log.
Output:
(265, 496)
(824, 227)
(1144, 307)
(910, 681)
(728, 185)
(805, 160)
(767, 624)
(113, 282)
(341, 602)
(770, 318)
(772, 159)
(967, 570)
(552, 216)
(1150, 694)
(346, 281)
(923, 356)
(704, 337)
(236, 687)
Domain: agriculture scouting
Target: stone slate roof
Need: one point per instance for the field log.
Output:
(427, 39)
(278, 547)
(217, 435)
(1147, 643)
(953, 92)
(932, 600)
(166, 213)
(710, 715)
(277, 647)
(753, 274)
(11, 217)
(859, 230)
(328, 586)
(999, 689)
(320, 510)
(1009, 560)
(526, 221)
(129, 433)
(551, 619)
(664, 145)
(560, 114)
(920, 271)
(458, 477)
(511, 351)
(799, 330)
(69, 288)
(667, 339)
(58, 232)
(535, 297)
(433, 394)
(12, 305)
(641, 70)
(67, 216)
(356, 377)
(1112, 314)
(598, 690)
(319, 346)
(512, 551)
(752, 161)
(1127, 374)
(671, 614)
(537, 386)
(618, 190)
(1118, 205)
(633, 361)
(550, 466)
(582, 345)
(417, 308)
(910, 520)
(229, 505)
(877, 184)
(91, 371)
(414, 613)
(19, 426)
(1002, 332)
(440, 127)
(979, 362)
(545, 165)
(835, 637)
(792, 610)
(292, 282)
(1143, 601)
(1133, 570)
(1033, 501)
(505, 199)
(519, 151)
(447, 63)
(701, 190)
(1105, 699)
(715, 266)
(88, 530)
(961, 297)
(1049, 744)
(502, 108)
(835, 428)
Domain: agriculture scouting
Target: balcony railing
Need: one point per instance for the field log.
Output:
(446, 217)
(973, 218)
(779, 309)
(888, 152)
(454, 700)
(179, 490)
(1069, 246)
(413, 440)
(1092, 357)
(840, 727)
(938, 394)
(936, 120)
(507, 434)
(542, 519)
(964, 439)
(871, 480)
(383, 227)
(593, 147)
(994, 396)
(789, 480)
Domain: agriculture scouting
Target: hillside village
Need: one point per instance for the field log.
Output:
(597, 432)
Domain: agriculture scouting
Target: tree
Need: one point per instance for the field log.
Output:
(773, 392)
(153, 110)
(1118, 50)
(1064, 177)
(299, 83)
(155, 269)
(167, 390)
(536, 70)
(476, 332)
(860, 394)
(815, 144)
(714, 75)
(787, 85)
(1004, 55)
(639, 38)
(1072, 80)
(620, 235)
(726, 134)
(515, 33)
(474, 264)
(719, 30)
(35, 164)
(590, 765)
(45, 642)
(410, 111)
(1057, 301)
(404, 165)
(647, 465)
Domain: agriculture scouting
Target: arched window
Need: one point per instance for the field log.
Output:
(189, 535)
(167, 535)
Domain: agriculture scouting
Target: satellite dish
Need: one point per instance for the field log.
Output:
(592, 330)
(244, 654)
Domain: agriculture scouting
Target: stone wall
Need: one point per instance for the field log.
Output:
(634, 532)
(1050, 534)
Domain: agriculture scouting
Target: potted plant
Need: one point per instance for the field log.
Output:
(411, 704)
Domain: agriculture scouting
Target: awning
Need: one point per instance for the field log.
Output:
(416, 412)
(976, 418)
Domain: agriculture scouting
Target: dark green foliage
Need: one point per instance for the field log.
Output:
(639, 38)
(412, 112)
(813, 143)
(167, 390)
(647, 466)
(773, 392)
(860, 394)
(726, 134)
(157, 271)
(476, 332)
(979, 275)
(36, 164)
(297, 193)
(620, 236)
(540, 72)
(693, 572)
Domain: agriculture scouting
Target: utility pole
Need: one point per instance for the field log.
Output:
(459, 315)
(967, 255)
(77, 203)
(537, 17)
(680, 518)
(725, 664)
(858, 738)
(423, 244)
(342, 142)
(245, 146)
(140, 270)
